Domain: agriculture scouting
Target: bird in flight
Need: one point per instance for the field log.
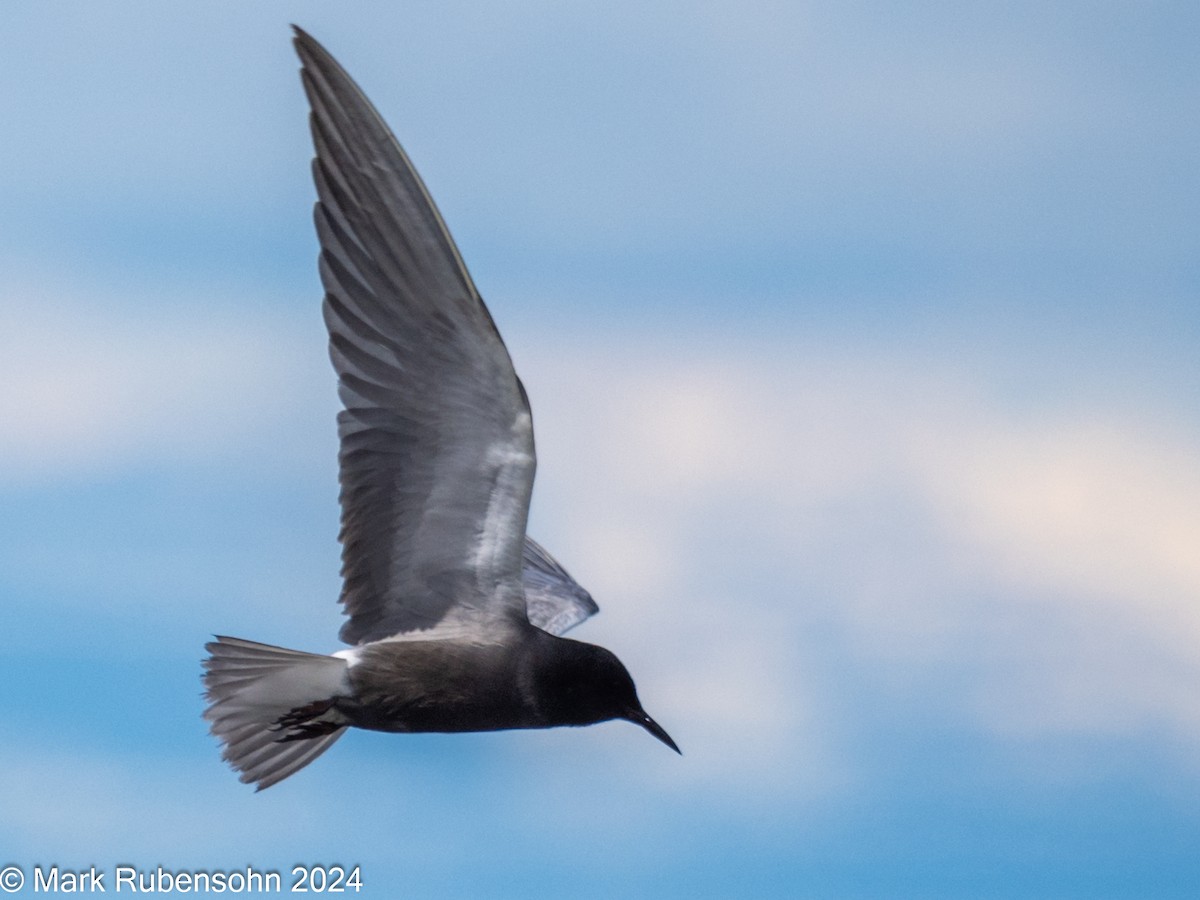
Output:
(455, 615)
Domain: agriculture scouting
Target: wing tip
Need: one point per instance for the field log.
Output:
(301, 38)
(312, 53)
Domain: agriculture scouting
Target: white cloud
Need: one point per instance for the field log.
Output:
(1092, 525)
(91, 384)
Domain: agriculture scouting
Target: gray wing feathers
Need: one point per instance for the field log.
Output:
(437, 456)
(555, 602)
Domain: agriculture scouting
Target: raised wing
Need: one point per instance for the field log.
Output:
(554, 600)
(437, 456)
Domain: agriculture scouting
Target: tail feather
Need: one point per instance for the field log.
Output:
(269, 706)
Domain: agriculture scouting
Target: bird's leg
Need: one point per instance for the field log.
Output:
(299, 723)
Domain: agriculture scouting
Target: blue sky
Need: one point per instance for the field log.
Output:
(861, 342)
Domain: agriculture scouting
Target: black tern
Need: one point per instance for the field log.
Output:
(455, 615)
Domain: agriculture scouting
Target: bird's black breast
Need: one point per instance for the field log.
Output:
(530, 680)
(443, 686)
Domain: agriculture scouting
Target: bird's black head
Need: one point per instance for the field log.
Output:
(580, 684)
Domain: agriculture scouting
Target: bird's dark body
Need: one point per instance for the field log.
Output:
(448, 686)
(437, 686)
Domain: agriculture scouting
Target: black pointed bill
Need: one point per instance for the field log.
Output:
(639, 717)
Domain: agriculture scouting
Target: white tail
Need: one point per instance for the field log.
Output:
(271, 707)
